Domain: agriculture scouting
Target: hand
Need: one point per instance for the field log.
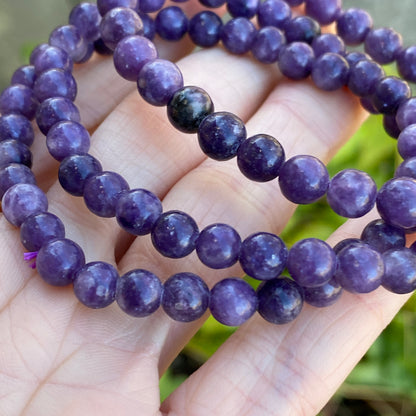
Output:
(58, 357)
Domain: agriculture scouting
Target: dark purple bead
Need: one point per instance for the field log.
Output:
(396, 202)
(406, 168)
(205, 28)
(18, 99)
(400, 270)
(101, 192)
(237, 35)
(69, 39)
(296, 60)
(355, 56)
(406, 64)
(323, 296)
(95, 284)
(24, 75)
(55, 83)
(13, 174)
(54, 110)
(382, 236)
(150, 6)
(279, 300)
(360, 268)
(344, 243)
(12, 151)
(330, 71)
(75, 170)
(221, 134)
(40, 228)
(383, 45)
(352, 193)
(367, 104)
(36, 51)
(174, 235)
(260, 158)
(104, 6)
(311, 262)
(294, 3)
(328, 42)
(139, 293)
(406, 113)
(67, 138)
(233, 301)
(119, 23)
(149, 30)
(86, 17)
(218, 246)
(263, 256)
(406, 142)
(101, 48)
(353, 26)
(275, 13)
(171, 23)
(242, 8)
(131, 54)
(302, 29)
(324, 11)
(188, 107)
(52, 57)
(212, 3)
(390, 125)
(303, 179)
(137, 211)
(16, 127)
(59, 260)
(268, 44)
(158, 81)
(364, 76)
(389, 93)
(22, 200)
(185, 297)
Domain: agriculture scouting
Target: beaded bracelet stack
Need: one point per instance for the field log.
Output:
(319, 273)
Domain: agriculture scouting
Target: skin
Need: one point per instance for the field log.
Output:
(58, 357)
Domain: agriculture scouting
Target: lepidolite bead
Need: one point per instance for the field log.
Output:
(389, 93)
(400, 270)
(406, 63)
(330, 71)
(233, 301)
(364, 76)
(137, 211)
(260, 158)
(328, 42)
(12, 151)
(212, 3)
(221, 134)
(138, 293)
(263, 256)
(311, 262)
(86, 17)
(323, 296)
(352, 193)
(149, 6)
(302, 29)
(383, 45)
(268, 44)
(296, 60)
(22, 200)
(276, 13)
(175, 233)
(279, 300)
(24, 75)
(75, 170)
(59, 260)
(18, 99)
(237, 35)
(185, 297)
(101, 193)
(104, 6)
(149, 30)
(13, 174)
(205, 28)
(353, 26)
(406, 113)
(40, 228)
(324, 11)
(188, 107)
(35, 52)
(55, 83)
(69, 39)
(406, 168)
(406, 142)
(131, 54)
(218, 246)
(390, 125)
(382, 236)
(345, 243)
(360, 268)
(354, 57)
(52, 57)
(303, 179)
(294, 3)
(158, 80)
(242, 8)
(171, 23)
(16, 127)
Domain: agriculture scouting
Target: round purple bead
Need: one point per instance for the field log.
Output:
(279, 300)
(95, 284)
(24, 75)
(353, 26)
(324, 11)
(389, 93)
(390, 125)
(221, 134)
(205, 28)
(406, 168)
(233, 301)
(171, 23)
(345, 243)
(185, 297)
(303, 179)
(138, 293)
(40, 228)
(406, 64)
(330, 71)
(382, 236)
(218, 246)
(406, 113)
(55, 83)
(406, 143)
(276, 13)
(383, 45)
(150, 6)
(364, 76)
(400, 270)
(86, 17)
(149, 29)
(137, 211)
(174, 235)
(69, 39)
(101, 48)
(36, 51)
(367, 104)
(355, 56)
(16, 127)
(12, 151)
(263, 256)
(268, 44)
(158, 80)
(104, 6)
(212, 3)
(22, 200)
(52, 57)
(360, 268)
(18, 99)
(296, 60)
(328, 42)
(242, 8)
(323, 296)
(238, 35)
(294, 3)
(302, 29)
(13, 174)
(352, 193)
(59, 260)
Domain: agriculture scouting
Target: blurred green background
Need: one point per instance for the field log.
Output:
(384, 382)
